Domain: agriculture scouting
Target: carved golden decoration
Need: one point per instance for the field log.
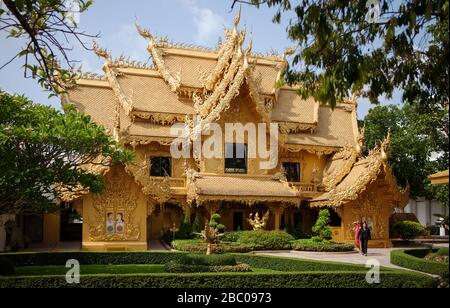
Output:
(174, 80)
(295, 128)
(374, 164)
(165, 119)
(312, 149)
(158, 189)
(225, 54)
(258, 223)
(100, 166)
(348, 156)
(115, 198)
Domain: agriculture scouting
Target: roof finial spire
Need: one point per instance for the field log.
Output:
(102, 53)
(237, 19)
(248, 50)
(144, 32)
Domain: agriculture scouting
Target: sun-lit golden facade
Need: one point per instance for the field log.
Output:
(139, 103)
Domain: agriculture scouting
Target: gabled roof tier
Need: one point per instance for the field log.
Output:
(363, 173)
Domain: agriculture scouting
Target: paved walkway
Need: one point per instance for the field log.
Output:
(382, 255)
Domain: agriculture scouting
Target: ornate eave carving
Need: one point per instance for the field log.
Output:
(349, 156)
(156, 188)
(375, 164)
(158, 118)
(174, 80)
(312, 149)
(296, 128)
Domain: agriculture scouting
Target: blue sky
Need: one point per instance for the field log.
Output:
(189, 21)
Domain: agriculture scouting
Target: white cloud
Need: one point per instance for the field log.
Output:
(209, 25)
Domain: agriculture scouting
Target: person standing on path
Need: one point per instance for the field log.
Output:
(357, 229)
(364, 237)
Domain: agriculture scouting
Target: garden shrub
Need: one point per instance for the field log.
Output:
(321, 246)
(197, 245)
(231, 237)
(6, 267)
(185, 229)
(443, 251)
(414, 259)
(196, 228)
(408, 230)
(266, 240)
(88, 258)
(174, 267)
(212, 260)
(322, 226)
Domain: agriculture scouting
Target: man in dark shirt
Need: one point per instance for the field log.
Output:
(364, 237)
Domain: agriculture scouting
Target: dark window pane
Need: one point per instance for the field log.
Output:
(161, 166)
(235, 158)
(292, 171)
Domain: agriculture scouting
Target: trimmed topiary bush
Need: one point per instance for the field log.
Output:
(174, 267)
(231, 237)
(266, 240)
(408, 230)
(321, 246)
(322, 227)
(212, 260)
(197, 245)
(6, 267)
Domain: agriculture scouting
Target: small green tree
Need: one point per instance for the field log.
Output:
(196, 228)
(185, 230)
(322, 226)
(212, 232)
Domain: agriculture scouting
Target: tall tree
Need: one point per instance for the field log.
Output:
(370, 47)
(44, 153)
(417, 147)
(47, 26)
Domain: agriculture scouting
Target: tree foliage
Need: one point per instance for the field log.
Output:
(322, 226)
(47, 26)
(343, 48)
(419, 147)
(41, 148)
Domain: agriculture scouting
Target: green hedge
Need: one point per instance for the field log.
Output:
(443, 251)
(87, 258)
(325, 246)
(174, 267)
(393, 279)
(212, 260)
(200, 246)
(413, 259)
(266, 240)
(295, 273)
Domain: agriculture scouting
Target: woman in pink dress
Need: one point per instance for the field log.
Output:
(357, 231)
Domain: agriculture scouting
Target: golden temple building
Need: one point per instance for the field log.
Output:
(320, 160)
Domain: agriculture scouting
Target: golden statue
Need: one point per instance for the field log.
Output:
(258, 223)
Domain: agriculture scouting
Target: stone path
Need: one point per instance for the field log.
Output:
(382, 255)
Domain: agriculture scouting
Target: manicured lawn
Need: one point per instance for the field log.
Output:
(57, 270)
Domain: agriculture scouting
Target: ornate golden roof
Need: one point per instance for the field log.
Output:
(186, 80)
(359, 178)
(245, 189)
